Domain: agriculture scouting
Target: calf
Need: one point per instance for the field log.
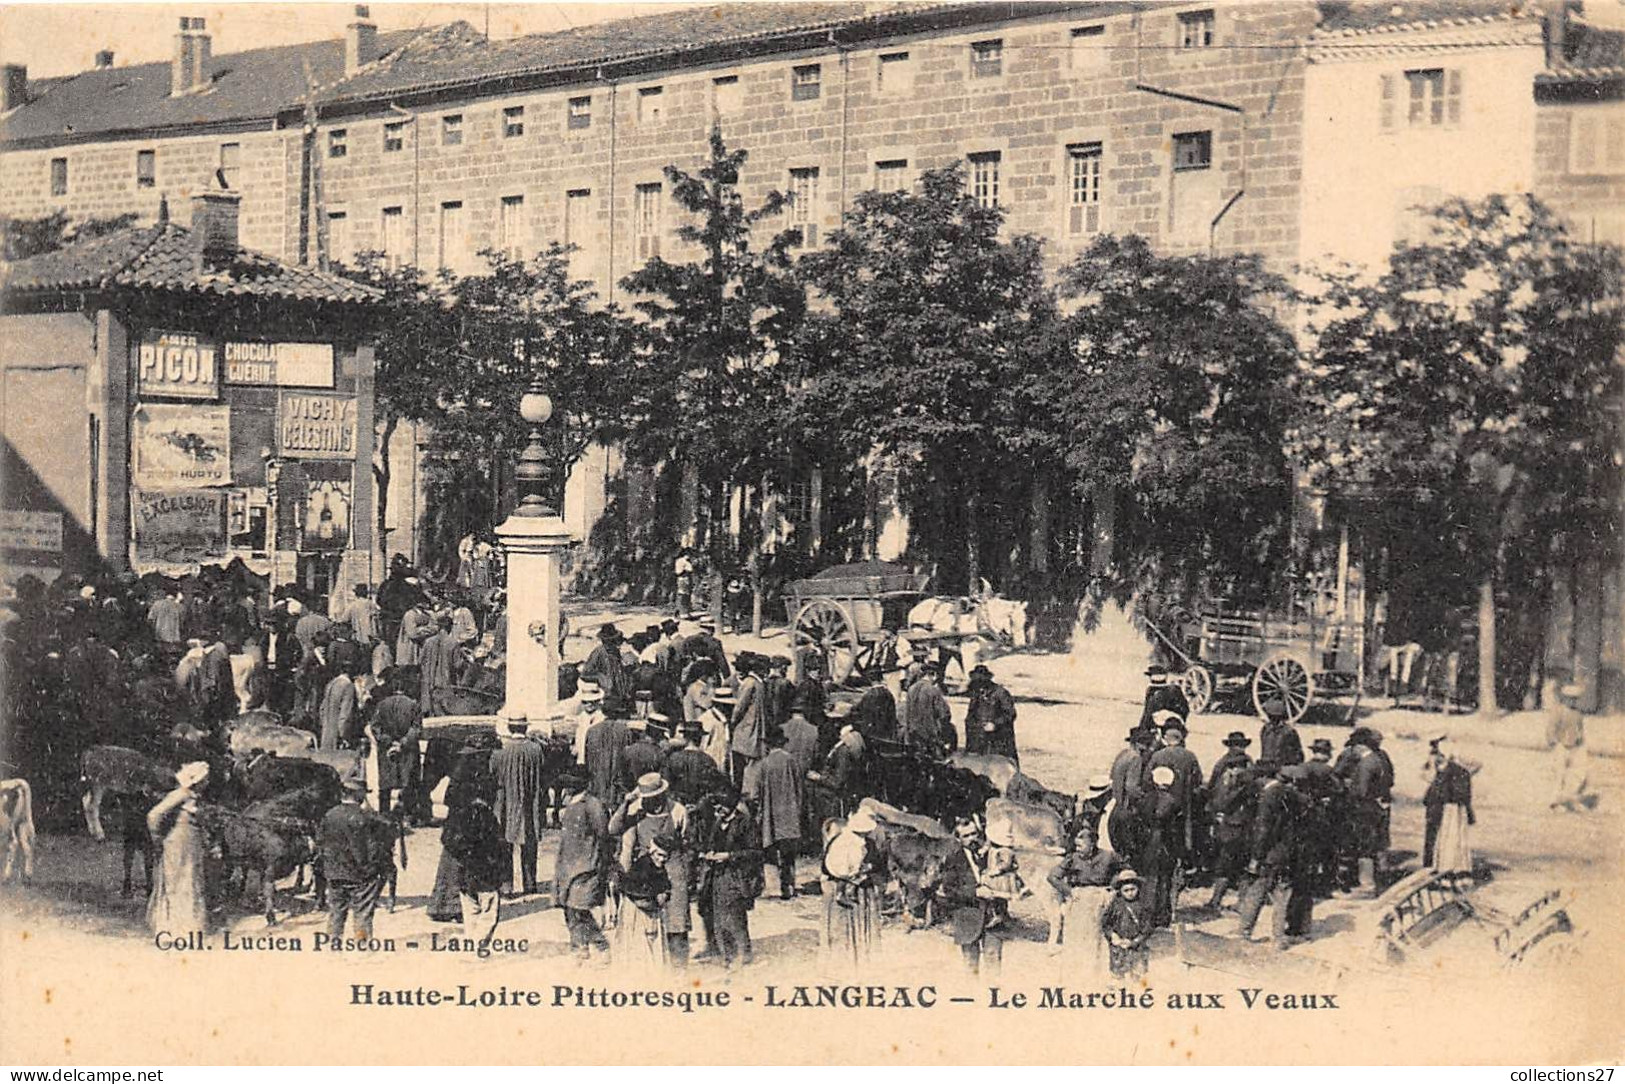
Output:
(113, 769)
(997, 770)
(17, 826)
(254, 732)
(271, 776)
(916, 862)
(1024, 788)
(260, 838)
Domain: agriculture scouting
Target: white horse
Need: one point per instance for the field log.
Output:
(983, 614)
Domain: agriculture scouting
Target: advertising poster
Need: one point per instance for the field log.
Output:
(180, 446)
(177, 365)
(179, 526)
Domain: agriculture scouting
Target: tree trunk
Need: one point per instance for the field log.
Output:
(973, 548)
(756, 593)
(1487, 705)
(381, 473)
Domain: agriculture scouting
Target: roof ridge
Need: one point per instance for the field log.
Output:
(1428, 24)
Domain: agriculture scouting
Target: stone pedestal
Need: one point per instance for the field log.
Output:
(533, 545)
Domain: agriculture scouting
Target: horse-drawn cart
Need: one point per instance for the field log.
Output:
(844, 613)
(1303, 657)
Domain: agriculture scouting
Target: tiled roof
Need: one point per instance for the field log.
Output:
(252, 85)
(1342, 19)
(1589, 53)
(162, 257)
(451, 57)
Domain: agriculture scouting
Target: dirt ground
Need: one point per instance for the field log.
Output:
(72, 911)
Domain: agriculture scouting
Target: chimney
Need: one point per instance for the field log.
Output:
(1558, 18)
(14, 89)
(214, 228)
(360, 41)
(104, 59)
(190, 69)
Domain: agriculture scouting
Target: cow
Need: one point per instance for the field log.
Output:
(1024, 788)
(266, 838)
(1002, 618)
(261, 731)
(114, 769)
(1039, 836)
(17, 825)
(916, 862)
(996, 770)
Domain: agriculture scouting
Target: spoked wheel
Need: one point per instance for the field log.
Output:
(824, 627)
(1197, 683)
(1285, 677)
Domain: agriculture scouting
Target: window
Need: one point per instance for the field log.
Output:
(806, 82)
(984, 178)
(146, 169)
(1596, 142)
(1433, 98)
(451, 130)
(340, 248)
(231, 156)
(577, 206)
(1083, 162)
(1193, 150)
(894, 74)
(338, 144)
(804, 205)
(1196, 29)
(511, 227)
(392, 233)
(580, 113)
(513, 122)
(650, 100)
(59, 176)
(726, 95)
(394, 136)
(891, 175)
(451, 234)
(1089, 48)
(987, 59)
(646, 221)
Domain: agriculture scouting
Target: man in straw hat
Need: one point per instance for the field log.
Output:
(647, 818)
(589, 710)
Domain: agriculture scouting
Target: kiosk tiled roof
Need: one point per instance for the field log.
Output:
(164, 257)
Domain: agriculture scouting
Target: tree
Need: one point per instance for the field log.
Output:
(1167, 393)
(21, 238)
(1475, 387)
(708, 389)
(925, 354)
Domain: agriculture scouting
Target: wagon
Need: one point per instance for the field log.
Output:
(1309, 655)
(843, 613)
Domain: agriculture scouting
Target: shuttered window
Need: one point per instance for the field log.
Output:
(646, 221)
(1596, 141)
(1083, 161)
(804, 205)
(1429, 98)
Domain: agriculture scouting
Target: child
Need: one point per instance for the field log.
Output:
(1127, 925)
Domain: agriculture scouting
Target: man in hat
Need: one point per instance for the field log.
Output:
(1161, 694)
(437, 663)
(589, 710)
(776, 788)
(990, 720)
(704, 646)
(605, 668)
(780, 690)
(396, 728)
(1369, 778)
(1232, 795)
(690, 772)
(731, 878)
(1565, 736)
(801, 738)
(1165, 858)
(605, 751)
(927, 723)
(747, 726)
(876, 713)
(1187, 782)
(646, 819)
(580, 869)
(645, 753)
(970, 902)
(519, 768)
(357, 851)
(362, 616)
(1093, 805)
(417, 625)
(340, 713)
(1326, 810)
(474, 840)
(1275, 846)
(683, 569)
(1278, 739)
(846, 778)
(1131, 785)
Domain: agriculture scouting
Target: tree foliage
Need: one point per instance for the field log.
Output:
(21, 238)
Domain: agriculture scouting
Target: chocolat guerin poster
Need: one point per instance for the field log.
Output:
(926, 533)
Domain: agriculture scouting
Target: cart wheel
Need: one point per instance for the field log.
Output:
(824, 626)
(1287, 678)
(1197, 683)
(1335, 705)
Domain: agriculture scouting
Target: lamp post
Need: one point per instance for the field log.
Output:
(533, 537)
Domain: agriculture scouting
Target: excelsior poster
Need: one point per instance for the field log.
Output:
(180, 446)
(179, 526)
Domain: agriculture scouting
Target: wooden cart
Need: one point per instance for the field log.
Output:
(845, 612)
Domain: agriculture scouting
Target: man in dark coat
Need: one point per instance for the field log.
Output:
(357, 851)
(927, 723)
(605, 667)
(1370, 783)
(580, 868)
(644, 754)
(747, 726)
(1231, 798)
(1187, 784)
(704, 645)
(605, 751)
(1131, 783)
(801, 739)
(1327, 808)
(474, 840)
(1278, 740)
(876, 713)
(776, 788)
(731, 878)
(1161, 695)
(847, 776)
(780, 690)
(437, 663)
(990, 721)
(968, 902)
(397, 727)
(520, 771)
(395, 597)
(690, 772)
(1275, 845)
